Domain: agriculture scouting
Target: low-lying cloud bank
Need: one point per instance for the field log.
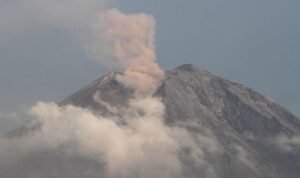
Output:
(144, 140)
(142, 146)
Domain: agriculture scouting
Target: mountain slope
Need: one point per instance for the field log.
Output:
(238, 128)
(244, 121)
(196, 95)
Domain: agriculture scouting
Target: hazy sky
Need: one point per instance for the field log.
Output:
(253, 42)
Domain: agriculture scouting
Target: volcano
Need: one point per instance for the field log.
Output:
(253, 132)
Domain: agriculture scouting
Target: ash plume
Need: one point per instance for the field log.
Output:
(129, 41)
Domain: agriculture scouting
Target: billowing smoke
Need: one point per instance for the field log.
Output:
(129, 42)
(142, 147)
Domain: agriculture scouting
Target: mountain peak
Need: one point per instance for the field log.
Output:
(189, 70)
(241, 120)
(188, 67)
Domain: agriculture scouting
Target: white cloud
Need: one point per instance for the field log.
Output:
(244, 157)
(288, 143)
(144, 146)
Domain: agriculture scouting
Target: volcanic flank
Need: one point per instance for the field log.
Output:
(206, 127)
(244, 123)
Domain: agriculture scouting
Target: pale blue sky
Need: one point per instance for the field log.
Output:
(253, 42)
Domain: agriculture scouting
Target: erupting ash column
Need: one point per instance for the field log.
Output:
(130, 40)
